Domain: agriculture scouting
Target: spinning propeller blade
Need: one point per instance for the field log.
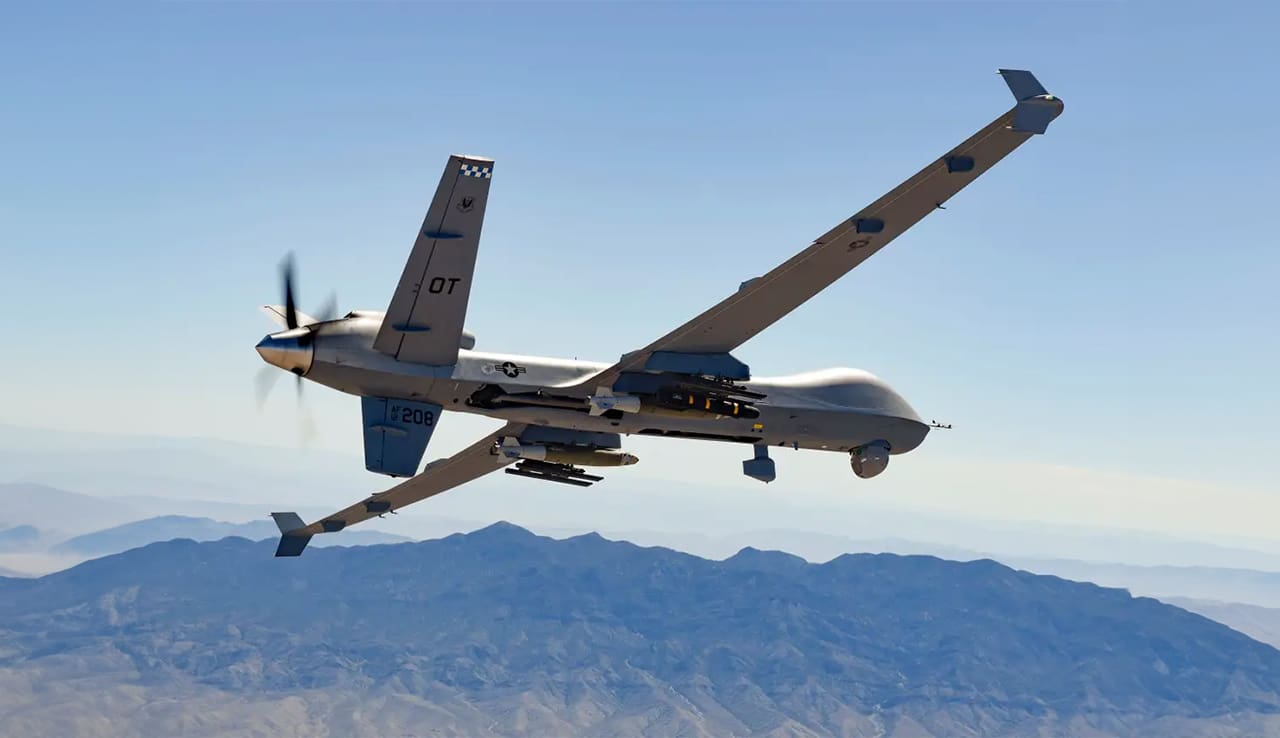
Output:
(268, 376)
(329, 310)
(290, 305)
(266, 379)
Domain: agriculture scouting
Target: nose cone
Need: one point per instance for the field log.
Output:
(289, 350)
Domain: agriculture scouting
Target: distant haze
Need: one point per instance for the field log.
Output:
(136, 477)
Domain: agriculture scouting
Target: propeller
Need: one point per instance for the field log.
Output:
(266, 380)
(290, 306)
(263, 383)
(292, 318)
(329, 310)
(268, 376)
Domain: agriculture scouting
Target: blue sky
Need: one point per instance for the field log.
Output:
(1104, 300)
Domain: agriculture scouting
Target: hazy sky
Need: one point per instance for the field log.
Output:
(1097, 315)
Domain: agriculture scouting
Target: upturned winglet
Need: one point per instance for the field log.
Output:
(291, 544)
(1036, 108)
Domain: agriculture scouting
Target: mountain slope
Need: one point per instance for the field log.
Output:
(1259, 623)
(501, 632)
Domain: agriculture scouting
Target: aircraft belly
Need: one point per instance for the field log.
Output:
(357, 380)
(805, 428)
(838, 430)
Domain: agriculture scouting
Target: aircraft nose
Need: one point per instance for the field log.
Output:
(289, 350)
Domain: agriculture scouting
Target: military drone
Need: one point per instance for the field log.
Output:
(415, 361)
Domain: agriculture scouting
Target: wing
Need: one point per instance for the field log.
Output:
(760, 302)
(442, 475)
(423, 324)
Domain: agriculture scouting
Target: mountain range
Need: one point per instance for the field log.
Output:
(168, 527)
(19, 537)
(501, 632)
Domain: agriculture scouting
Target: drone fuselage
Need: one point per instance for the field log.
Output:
(829, 409)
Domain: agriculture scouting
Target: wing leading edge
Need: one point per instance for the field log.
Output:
(762, 301)
(472, 462)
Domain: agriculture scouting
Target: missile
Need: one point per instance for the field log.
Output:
(582, 456)
(604, 400)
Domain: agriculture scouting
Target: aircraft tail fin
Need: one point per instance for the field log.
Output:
(1023, 84)
(423, 323)
(291, 543)
(1036, 108)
